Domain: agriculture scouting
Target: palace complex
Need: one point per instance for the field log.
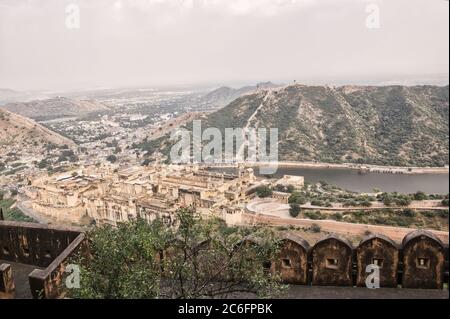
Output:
(94, 195)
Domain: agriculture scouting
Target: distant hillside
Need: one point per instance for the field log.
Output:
(225, 95)
(392, 125)
(8, 95)
(20, 134)
(58, 107)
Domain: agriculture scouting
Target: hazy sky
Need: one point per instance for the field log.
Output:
(182, 42)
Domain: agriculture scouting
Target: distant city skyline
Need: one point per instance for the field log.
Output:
(187, 43)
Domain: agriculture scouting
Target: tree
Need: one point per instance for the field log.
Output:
(297, 198)
(315, 228)
(387, 199)
(122, 264)
(317, 202)
(263, 191)
(43, 164)
(366, 203)
(408, 212)
(280, 188)
(403, 200)
(196, 259)
(146, 162)
(420, 196)
(294, 210)
(112, 159)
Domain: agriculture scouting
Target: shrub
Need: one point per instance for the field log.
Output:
(316, 202)
(279, 188)
(337, 216)
(366, 203)
(290, 189)
(443, 213)
(367, 233)
(351, 203)
(428, 214)
(315, 228)
(112, 159)
(387, 199)
(403, 201)
(314, 215)
(420, 196)
(294, 210)
(263, 191)
(43, 164)
(409, 213)
(297, 198)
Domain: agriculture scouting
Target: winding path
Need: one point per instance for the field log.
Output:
(247, 126)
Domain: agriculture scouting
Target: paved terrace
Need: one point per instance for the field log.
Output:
(311, 292)
(20, 275)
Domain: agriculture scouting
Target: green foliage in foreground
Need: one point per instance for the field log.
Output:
(198, 259)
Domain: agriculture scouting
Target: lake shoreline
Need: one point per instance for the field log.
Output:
(355, 180)
(358, 167)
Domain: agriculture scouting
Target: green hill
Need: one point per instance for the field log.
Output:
(390, 125)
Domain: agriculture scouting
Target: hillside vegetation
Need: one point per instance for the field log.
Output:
(58, 107)
(391, 125)
(24, 136)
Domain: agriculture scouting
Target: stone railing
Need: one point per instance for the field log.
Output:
(41, 246)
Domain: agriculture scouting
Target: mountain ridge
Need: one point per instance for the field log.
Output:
(24, 135)
(57, 107)
(224, 95)
(380, 125)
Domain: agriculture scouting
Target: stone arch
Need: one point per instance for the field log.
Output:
(381, 251)
(332, 262)
(423, 261)
(292, 260)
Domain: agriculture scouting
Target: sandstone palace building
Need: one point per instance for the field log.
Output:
(93, 195)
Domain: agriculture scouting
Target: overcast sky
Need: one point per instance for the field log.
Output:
(182, 42)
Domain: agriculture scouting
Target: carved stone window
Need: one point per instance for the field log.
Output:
(267, 264)
(332, 263)
(286, 263)
(378, 262)
(423, 263)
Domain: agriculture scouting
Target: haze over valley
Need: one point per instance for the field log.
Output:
(207, 149)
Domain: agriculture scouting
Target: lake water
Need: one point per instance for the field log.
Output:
(353, 180)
